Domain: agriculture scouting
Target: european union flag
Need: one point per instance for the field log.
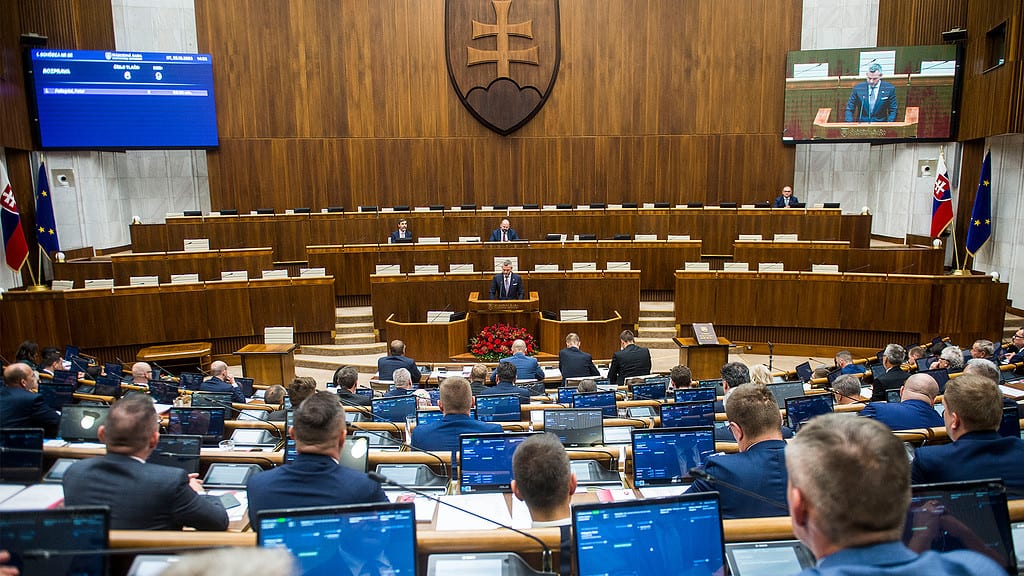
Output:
(980, 229)
(46, 223)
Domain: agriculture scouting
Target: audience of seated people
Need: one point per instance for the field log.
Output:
(506, 376)
(20, 404)
(892, 359)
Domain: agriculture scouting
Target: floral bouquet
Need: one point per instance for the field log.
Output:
(494, 342)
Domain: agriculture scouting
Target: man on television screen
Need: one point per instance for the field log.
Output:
(872, 100)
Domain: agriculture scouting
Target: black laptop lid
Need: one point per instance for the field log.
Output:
(785, 390)
(485, 461)
(575, 426)
(65, 377)
(60, 529)
(163, 392)
(665, 455)
(190, 380)
(178, 450)
(205, 422)
(81, 423)
(246, 384)
(941, 376)
(57, 395)
(22, 459)
(1010, 423)
(803, 370)
(113, 369)
(108, 386)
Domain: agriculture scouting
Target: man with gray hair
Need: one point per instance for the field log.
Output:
(527, 367)
(849, 491)
(983, 367)
(846, 390)
(894, 377)
(950, 358)
(983, 349)
(403, 383)
(222, 381)
(872, 100)
(506, 285)
(915, 408)
(845, 362)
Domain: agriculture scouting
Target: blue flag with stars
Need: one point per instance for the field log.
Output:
(980, 229)
(46, 223)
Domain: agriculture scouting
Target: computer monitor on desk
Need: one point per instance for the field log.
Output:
(700, 413)
(56, 395)
(575, 427)
(665, 455)
(81, 423)
(604, 400)
(22, 461)
(695, 394)
(393, 409)
(205, 422)
(485, 461)
(83, 529)
(498, 408)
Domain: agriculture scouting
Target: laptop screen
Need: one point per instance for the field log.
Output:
(688, 414)
(365, 392)
(565, 394)
(75, 528)
(924, 363)
(81, 423)
(190, 380)
(801, 409)
(575, 427)
(959, 515)
(65, 377)
(1010, 424)
(23, 454)
(211, 400)
(695, 395)
(393, 409)
(113, 369)
(289, 443)
(877, 370)
(786, 390)
(650, 390)
(108, 386)
(665, 455)
(941, 376)
(664, 536)
(603, 400)
(178, 451)
(56, 395)
(246, 384)
(163, 392)
(803, 371)
(498, 408)
(486, 461)
(358, 539)
(205, 422)
(71, 351)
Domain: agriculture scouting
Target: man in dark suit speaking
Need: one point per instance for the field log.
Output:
(506, 285)
(872, 100)
(141, 496)
(630, 360)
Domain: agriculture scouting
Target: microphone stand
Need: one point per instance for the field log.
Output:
(771, 352)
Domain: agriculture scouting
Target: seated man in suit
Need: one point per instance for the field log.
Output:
(402, 234)
(894, 377)
(314, 478)
(455, 402)
(506, 375)
(845, 362)
(950, 358)
(141, 496)
(846, 390)
(681, 377)
(849, 490)
(1014, 353)
(51, 361)
(872, 100)
(786, 199)
(573, 362)
(544, 480)
(504, 232)
(20, 404)
(760, 465)
(396, 359)
(982, 349)
(506, 285)
(346, 379)
(274, 397)
(403, 384)
(222, 381)
(974, 408)
(142, 372)
(630, 360)
(526, 366)
(915, 408)
(478, 379)
(301, 387)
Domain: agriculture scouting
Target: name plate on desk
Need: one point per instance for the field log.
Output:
(506, 306)
(704, 332)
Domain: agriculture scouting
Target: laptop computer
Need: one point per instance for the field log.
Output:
(56, 395)
(114, 369)
(575, 426)
(205, 422)
(81, 423)
(83, 529)
(22, 460)
(924, 363)
(498, 408)
(688, 414)
(211, 400)
(55, 475)
(768, 558)
(64, 377)
(107, 386)
(565, 394)
(976, 508)
(163, 392)
(190, 380)
(331, 540)
(1010, 423)
(892, 396)
(941, 376)
(695, 394)
(393, 409)
(605, 400)
(650, 389)
(803, 371)
(71, 351)
(179, 451)
(665, 455)
(715, 384)
(485, 461)
(230, 475)
(675, 535)
(246, 385)
(785, 390)
(877, 370)
(800, 410)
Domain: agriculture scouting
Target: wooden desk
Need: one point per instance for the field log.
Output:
(269, 364)
(178, 355)
(705, 361)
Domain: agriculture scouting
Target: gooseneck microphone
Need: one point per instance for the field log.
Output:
(703, 475)
(546, 556)
(361, 409)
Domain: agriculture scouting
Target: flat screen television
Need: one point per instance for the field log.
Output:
(828, 96)
(92, 99)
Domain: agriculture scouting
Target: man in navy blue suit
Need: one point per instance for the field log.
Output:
(760, 465)
(526, 366)
(402, 234)
(915, 408)
(786, 199)
(504, 232)
(573, 362)
(506, 376)
(974, 408)
(1015, 353)
(872, 100)
(456, 402)
(222, 381)
(315, 478)
(20, 404)
(630, 360)
(506, 285)
(396, 359)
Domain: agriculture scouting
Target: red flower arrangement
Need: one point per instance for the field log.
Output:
(494, 342)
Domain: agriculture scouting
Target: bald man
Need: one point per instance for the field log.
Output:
(20, 404)
(915, 408)
(141, 374)
(222, 381)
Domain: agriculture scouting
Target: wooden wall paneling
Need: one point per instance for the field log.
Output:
(180, 229)
(313, 304)
(859, 307)
(79, 270)
(270, 304)
(918, 22)
(148, 237)
(252, 260)
(696, 296)
(90, 309)
(989, 103)
(230, 311)
(78, 24)
(819, 295)
(771, 289)
(602, 294)
(145, 264)
(718, 231)
(906, 302)
(38, 316)
(135, 303)
(291, 236)
(15, 129)
(187, 315)
(250, 231)
(856, 229)
(971, 307)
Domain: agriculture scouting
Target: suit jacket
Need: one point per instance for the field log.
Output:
(508, 388)
(515, 287)
(858, 109)
(496, 235)
(141, 496)
(444, 434)
(478, 388)
(903, 415)
(895, 559)
(780, 202)
(526, 367)
(891, 380)
(20, 408)
(630, 361)
(974, 456)
(575, 363)
(351, 399)
(218, 385)
(387, 365)
(853, 369)
(310, 480)
(394, 236)
(761, 469)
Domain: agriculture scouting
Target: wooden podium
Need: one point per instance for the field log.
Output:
(269, 364)
(705, 362)
(522, 313)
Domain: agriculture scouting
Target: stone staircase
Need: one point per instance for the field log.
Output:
(355, 343)
(657, 325)
(1012, 323)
